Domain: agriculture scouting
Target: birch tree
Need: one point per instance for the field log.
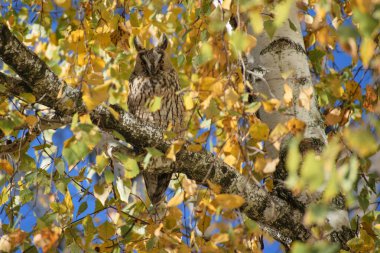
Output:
(279, 136)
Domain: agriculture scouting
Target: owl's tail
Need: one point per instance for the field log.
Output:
(156, 185)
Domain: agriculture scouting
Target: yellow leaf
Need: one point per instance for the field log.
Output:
(114, 113)
(218, 88)
(214, 187)
(270, 167)
(173, 150)
(226, 4)
(189, 186)
(230, 160)
(228, 201)
(188, 101)
(29, 97)
(31, 120)
(257, 21)
(102, 191)
(194, 148)
(286, 74)
(260, 163)
(176, 200)
(95, 78)
(155, 104)
(288, 95)
(85, 119)
(281, 12)
(98, 64)
(271, 105)
(63, 3)
(204, 222)
(259, 131)
(76, 35)
(93, 97)
(231, 97)
(82, 58)
(220, 238)
(68, 202)
(241, 41)
(6, 166)
(361, 141)
(279, 131)
(353, 90)
(295, 126)
(367, 50)
(305, 97)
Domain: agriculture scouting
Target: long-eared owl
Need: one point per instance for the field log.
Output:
(154, 76)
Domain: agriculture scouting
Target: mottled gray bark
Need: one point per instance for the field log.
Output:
(16, 85)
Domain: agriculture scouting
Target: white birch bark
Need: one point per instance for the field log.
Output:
(284, 55)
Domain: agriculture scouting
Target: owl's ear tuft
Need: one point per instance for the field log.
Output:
(163, 44)
(138, 44)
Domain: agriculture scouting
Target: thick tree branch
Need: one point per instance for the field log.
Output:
(280, 219)
(16, 85)
(46, 86)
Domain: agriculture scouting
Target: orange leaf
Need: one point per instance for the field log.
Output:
(228, 201)
(6, 166)
(295, 125)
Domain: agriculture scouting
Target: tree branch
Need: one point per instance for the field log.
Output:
(280, 219)
(16, 85)
(45, 85)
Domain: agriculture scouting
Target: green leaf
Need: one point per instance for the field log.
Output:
(292, 26)
(130, 165)
(293, 157)
(60, 166)
(88, 229)
(82, 208)
(317, 247)
(28, 97)
(86, 137)
(102, 191)
(281, 12)
(109, 176)
(155, 104)
(106, 230)
(367, 23)
(312, 173)
(242, 41)
(316, 57)
(205, 54)
(123, 190)
(270, 28)
(154, 152)
(361, 141)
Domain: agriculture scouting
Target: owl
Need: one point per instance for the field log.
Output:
(154, 76)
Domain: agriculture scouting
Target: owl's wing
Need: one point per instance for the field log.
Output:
(156, 185)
